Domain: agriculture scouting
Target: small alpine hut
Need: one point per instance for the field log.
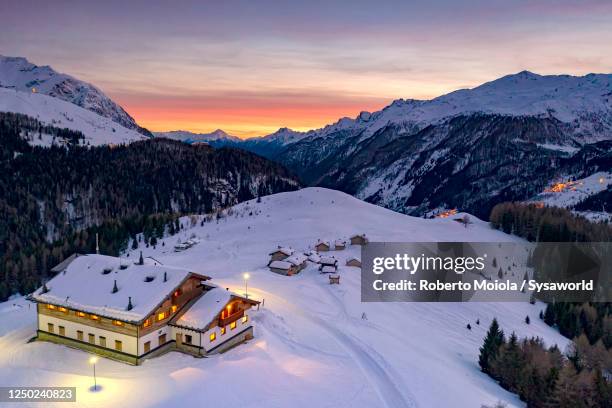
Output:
(339, 245)
(328, 261)
(356, 262)
(281, 253)
(283, 268)
(328, 268)
(359, 239)
(322, 246)
(298, 260)
(313, 256)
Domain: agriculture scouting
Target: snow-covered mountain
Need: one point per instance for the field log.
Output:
(503, 140)
(97, 130)
(19, 74)
(315, 339)
(216, 137)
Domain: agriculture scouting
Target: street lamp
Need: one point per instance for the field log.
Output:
(246, 277)
(93, 361)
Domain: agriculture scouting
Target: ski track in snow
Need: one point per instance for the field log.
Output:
(374, 371)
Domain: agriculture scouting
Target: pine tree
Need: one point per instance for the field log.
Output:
(141, 259)
(492, 342)
(115, 289)
(134, 243)
(527, 320)
(469, 326)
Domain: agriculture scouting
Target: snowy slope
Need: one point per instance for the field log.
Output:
(20, 74)
(566, 193)
(311, 346)
(98, 130)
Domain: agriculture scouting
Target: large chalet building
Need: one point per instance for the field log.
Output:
(130, 312)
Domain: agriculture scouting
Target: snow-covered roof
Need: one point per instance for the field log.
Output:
(353, 258)
(296, 259)
(339, 242)
(328, 269)
(328, 260)
(322, 243)
(358, 236)
(284, 250)
(87, 283)
(314, 257)
(64, 264)
(205, 309)
(280, 264)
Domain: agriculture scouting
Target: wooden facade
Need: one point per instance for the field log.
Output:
(322, 246)
(354, 262)
(359, 240)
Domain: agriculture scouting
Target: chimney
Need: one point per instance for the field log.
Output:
(115, 289)
(130, 306)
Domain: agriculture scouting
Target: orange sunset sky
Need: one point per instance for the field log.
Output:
(250, 68)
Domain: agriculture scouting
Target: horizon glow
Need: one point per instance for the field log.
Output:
(250, 68)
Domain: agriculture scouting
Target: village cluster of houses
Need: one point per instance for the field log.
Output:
(288, 261)
(133, 311)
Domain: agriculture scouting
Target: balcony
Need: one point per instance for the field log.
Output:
(226, 319)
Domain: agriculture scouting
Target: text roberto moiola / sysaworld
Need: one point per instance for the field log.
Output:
(459, 265)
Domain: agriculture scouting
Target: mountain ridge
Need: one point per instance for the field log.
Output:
(20, 74)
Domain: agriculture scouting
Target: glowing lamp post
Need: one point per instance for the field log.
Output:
(93, 361)
(246, 277)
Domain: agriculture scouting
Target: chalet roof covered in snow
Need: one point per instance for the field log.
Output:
(280, 264)
(339, 242)
(328, 269)
(87, 284)
(285, 250)
(328, 260)
(296, 259)
(205, 309)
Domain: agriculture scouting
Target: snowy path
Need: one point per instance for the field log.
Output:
(372, 364)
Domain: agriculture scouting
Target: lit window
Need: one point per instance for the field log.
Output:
(233, 325)
(117, 323)
(173, 308)
(94, 317)
(213, 336)
(80, 314)
(63, 309)
(161, 316)
(51, 307)
(245, 319)
(147, 323)
(223, 330)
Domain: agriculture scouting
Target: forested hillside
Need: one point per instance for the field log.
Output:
(52, 198)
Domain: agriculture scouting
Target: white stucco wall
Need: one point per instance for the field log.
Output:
(71, 328)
